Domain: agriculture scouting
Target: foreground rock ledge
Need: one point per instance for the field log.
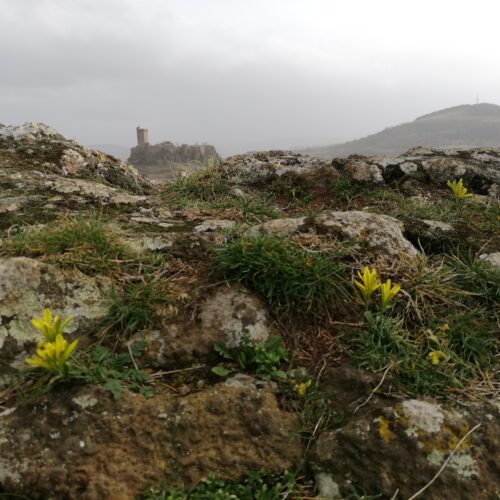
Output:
(78, 443)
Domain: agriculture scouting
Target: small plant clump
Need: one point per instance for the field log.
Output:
(444, 336)
(114, 371)
(262, 358)
(289, 278)
(254, 486)
(369, 282)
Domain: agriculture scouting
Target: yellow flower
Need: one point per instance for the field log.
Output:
(53, 356)
(388, 292)
(436, 357)
(368, 284)
(50, 327)
(302, 388)
(458, 188)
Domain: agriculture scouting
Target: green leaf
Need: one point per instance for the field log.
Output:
(137, 348)
(100, 354)
(115, 387)
(221, 371)
(280, 374)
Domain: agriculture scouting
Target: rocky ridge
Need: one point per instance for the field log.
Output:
(361, 424)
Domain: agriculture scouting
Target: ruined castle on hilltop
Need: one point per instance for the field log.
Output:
(166, 159)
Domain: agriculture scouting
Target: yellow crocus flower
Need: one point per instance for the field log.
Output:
(369, 283)
(388, 292)
(436, 357)
(53, 356)
(458, 188)
(302, 388)
(50, 326)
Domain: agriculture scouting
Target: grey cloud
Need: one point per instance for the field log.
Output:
(241, 75)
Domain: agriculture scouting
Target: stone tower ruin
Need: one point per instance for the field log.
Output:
(142, 136)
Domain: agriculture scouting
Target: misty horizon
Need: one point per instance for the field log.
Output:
(241, 76)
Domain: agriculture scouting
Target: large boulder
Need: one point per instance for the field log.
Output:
(400, 447)
(81, 444)
(380, 235)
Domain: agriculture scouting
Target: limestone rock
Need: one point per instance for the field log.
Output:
(365, 172)
(81, 444)
(492, 259)
(27, 287)
(225, 317)
(256, 168)
(380, 234)
(92, 191)
(279, 227)
(479, 168)
(211, 225)
(233, 312)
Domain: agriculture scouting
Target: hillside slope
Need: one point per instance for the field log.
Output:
(463, 126)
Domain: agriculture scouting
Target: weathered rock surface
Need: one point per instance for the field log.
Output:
(380, 234)
(28, 286)
(402, 446)
(492, 258)
(257, 168)
(479, 168)
(226, 317)
(39, 147)
(81, 444)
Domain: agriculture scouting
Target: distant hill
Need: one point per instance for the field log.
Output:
(469, 125)
(120, 152)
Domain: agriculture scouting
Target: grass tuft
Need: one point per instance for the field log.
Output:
(289, 278)
(204, 185)
(208, 189)
(86, 244)
(136, 306)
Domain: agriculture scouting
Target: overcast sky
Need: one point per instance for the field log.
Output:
(242, 74)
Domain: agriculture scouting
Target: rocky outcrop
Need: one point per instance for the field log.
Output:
(479, 168)
(37, 148)
(380, 234)
(165, 308)
(258, 168)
